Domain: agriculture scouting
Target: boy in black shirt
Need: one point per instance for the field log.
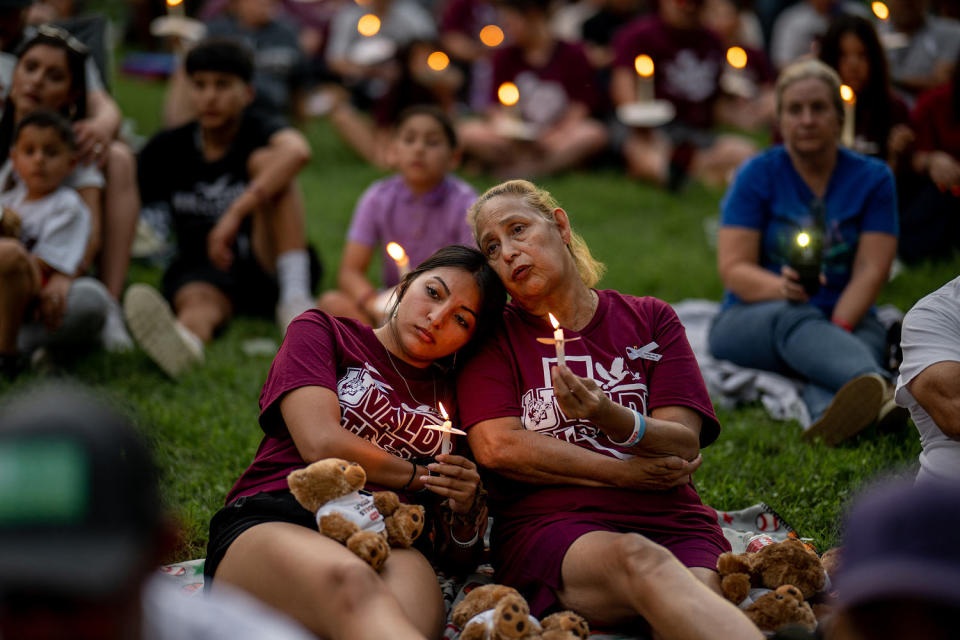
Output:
(229, 180)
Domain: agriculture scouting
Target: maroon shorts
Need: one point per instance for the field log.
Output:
(528, 549)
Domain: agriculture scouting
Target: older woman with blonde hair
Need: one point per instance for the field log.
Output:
(843, 206)
(594, 506)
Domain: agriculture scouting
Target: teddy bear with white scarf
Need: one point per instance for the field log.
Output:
(367, 523)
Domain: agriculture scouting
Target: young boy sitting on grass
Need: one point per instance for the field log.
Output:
(422, 208)
(229, 181)
(46, 227)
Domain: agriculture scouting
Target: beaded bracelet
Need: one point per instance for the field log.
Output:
(469, 543)
(639, 429)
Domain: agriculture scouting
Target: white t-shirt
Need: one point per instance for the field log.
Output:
(358, 508)
(225, 613)
(931, 334)
(55, 228)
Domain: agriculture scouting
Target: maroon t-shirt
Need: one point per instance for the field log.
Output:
(634, 348)
(934, 124)
(547, 92)
(687, 65)
(375, 402)
(467, 17)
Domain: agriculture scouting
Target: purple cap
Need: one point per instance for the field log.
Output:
(902, 540)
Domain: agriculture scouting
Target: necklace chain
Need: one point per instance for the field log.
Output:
(433, 379)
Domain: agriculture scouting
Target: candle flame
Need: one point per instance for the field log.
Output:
(491, 35)
(368, 25)
(173, 3)
(737, 57)
(438, 61)
(553, 321)
(396, 251)
(644, 65)
(443, 412)
(880, 10)
(803, 238)
(509, 94)
(847, 94)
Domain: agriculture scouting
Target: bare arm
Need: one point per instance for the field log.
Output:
(937, 389)
(503, 445)
(99, 127)
(871, 268)
(92, 197)
(352, 277)
(622, 89)
(312, 415)
(738, 262)
(670, 431)
(287, 153)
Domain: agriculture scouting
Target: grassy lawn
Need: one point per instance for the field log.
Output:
(204, 427)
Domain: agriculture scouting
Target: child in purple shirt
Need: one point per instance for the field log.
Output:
(421, 208)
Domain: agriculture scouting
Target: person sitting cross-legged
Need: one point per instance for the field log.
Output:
(229, 180)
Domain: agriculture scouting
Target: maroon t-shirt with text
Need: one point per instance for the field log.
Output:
(375, 402)
(636, 349)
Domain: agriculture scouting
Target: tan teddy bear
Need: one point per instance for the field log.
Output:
(9, 223)
(782, 606)
(498, 612)
(367, 524)
(777, 564)
(793, 572)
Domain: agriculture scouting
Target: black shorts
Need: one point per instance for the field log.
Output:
(245, 512)
(252, 290)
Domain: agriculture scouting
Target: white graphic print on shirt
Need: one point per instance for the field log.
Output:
(368, 409)
(624, 386)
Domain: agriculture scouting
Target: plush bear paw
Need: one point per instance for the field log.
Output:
(370, 547)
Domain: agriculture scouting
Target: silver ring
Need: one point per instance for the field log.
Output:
(98, 148)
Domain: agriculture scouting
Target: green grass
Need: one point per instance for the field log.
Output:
(204, 427)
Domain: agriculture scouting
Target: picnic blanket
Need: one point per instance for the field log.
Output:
(731, 385)
(738, 527)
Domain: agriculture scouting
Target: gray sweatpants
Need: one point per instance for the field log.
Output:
(87, 306)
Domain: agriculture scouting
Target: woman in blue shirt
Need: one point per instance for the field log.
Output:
(826, 333)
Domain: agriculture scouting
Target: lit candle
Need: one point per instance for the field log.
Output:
(400, 257)
(849, 109)
(175, 8)
(491, 35)
(644, 66)
(447, 430)
(438, 60)
(508, 94)
(368, 25)
(880, 10)
(737, 57)
(557, 340)
(446, 440)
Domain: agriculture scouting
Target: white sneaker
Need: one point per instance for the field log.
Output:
(114, 335)
(287, 311)
(156, 330)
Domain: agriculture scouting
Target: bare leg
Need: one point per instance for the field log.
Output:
(611, 578)
(280, 225)
(362, 134)
(716, 164)
(411, 580)
(121, 209)
(320, 583)
(481, 141)
(648, 156)
(337, 303)
(202, 308)
(567, 146)
(19, 284)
